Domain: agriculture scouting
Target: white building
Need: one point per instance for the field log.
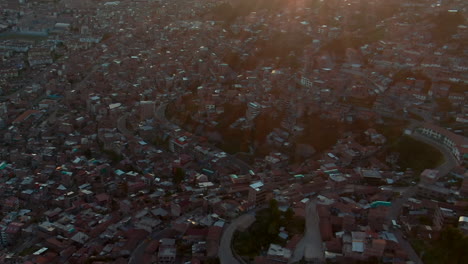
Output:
(458, 145)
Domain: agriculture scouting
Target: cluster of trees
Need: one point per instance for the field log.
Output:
(416, 155)
(178, 175)
(449, 247)
(265, 230)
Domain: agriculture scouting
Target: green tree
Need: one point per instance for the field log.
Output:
(450, 247)
(289, 214)
(274, 210)
(179, 175)
(273, 228)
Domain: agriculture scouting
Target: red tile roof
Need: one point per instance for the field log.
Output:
(25, 115)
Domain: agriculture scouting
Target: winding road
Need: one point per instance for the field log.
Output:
(225, 253)
(395, 209)
(450, 161)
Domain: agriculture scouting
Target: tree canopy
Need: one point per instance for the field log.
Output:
(450, 247)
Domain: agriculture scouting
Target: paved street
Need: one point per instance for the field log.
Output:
(450, 161)
(393, 214)
(312, 239)
(138, 253)
(397, 204)
(413, 256)
(225, 253)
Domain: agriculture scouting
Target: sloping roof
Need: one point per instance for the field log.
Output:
(358, 239)
(25, 116)
(80, 238)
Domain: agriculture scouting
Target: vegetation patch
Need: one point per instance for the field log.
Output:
(449, 247)
(29, 251)
(392, 129)
(265, 230)
(416, 155)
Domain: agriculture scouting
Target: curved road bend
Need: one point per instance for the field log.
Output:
(397, 204)
(225, 253)
(450, 161)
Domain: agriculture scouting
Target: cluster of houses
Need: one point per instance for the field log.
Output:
(92, 170)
